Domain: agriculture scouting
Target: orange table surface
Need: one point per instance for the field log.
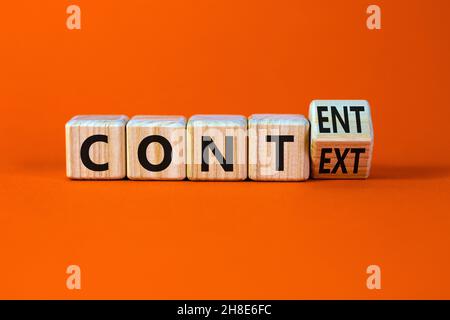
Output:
(240, 240)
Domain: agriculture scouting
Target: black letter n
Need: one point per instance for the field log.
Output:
(208, 143)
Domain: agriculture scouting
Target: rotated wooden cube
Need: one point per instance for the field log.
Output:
(341, 139)
(278, 147)
(156, 148)
(217, 147)
(95, 147)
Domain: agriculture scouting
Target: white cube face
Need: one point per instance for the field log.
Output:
(217, 147)
(156, 148)
(95, 147)
(341, 139)
(278, 147)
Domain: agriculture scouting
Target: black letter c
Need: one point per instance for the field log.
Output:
(84, 153)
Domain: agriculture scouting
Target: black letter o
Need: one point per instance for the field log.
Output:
(142, 153)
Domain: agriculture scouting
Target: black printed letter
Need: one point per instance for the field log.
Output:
(322, 119)
(84, 153)
(208, 143)
(324, 160)
(279, 149)
(142, 153)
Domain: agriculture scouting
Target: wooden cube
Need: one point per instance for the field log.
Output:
(341, 139)
(278, 147)
(217, 147)
(156, 148)
(95, 147)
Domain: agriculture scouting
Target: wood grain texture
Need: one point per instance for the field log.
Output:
(263, 162)
(79, 128)
(217, 127)
(172, 128)
(346, 133)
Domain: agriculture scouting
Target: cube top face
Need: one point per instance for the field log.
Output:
(219, 120)
(340, 120)
(95, 147)
(278, 147)
(217, 147)
(341, 139)
(98, 120)
(277, 119)
(156, 148)
(158, 121)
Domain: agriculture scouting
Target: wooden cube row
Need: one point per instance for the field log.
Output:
(336, 142)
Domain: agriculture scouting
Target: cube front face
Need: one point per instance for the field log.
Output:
(341, 139)
(95, 147)
(217, 147)
(156, 148)
(278, 147)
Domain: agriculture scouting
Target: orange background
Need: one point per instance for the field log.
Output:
(225, 240)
